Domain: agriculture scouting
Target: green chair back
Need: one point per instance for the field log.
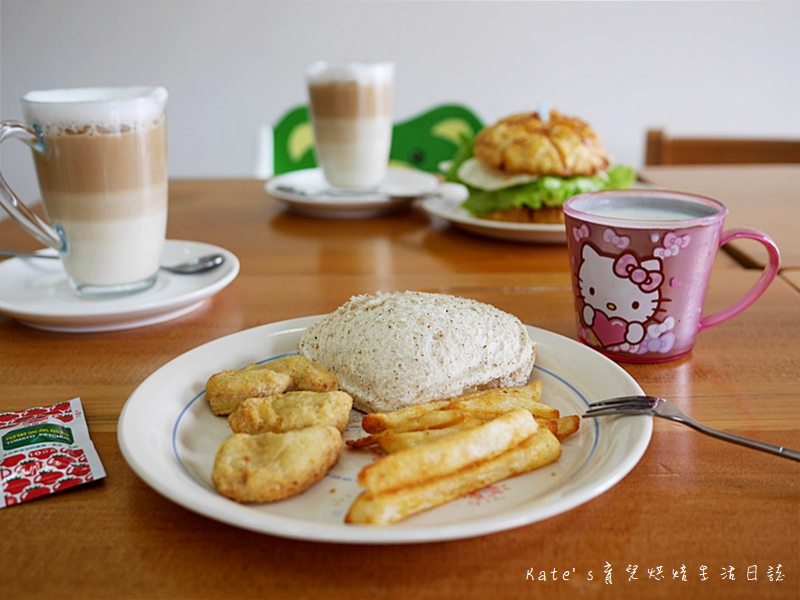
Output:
(422, 142)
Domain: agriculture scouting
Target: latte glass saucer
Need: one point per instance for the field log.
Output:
(306, 192)
(36, 293)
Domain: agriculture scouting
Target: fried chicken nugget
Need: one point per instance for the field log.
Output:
(306, 374)
(292, 410)
(226, 390)
(273, 466)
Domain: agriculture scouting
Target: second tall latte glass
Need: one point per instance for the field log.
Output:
(351, 113)
(101, 160)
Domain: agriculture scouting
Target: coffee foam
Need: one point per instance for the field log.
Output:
(359, 72)
(95, 111)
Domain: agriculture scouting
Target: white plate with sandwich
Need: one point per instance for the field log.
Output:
(452, 210)
(169, 436)
(520, 170)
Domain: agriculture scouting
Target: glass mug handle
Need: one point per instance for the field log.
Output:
(33, 224)
(767, 276)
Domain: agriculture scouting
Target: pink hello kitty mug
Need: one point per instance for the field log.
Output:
(641, 261)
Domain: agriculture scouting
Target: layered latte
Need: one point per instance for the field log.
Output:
(103, 177)
(351, 112)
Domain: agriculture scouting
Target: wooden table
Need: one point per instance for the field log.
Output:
(691, 503)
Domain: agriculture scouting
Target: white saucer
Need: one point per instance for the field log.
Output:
(36, 293)
(306, 192)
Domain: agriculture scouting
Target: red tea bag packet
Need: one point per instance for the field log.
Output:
(45, 450)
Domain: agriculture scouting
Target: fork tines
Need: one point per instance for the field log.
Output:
(627, 404)
(624, 400)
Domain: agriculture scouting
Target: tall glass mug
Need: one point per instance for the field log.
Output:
(641, 262)
(101, 161)
(351, 114)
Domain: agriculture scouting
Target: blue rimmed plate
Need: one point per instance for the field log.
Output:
(169, 437)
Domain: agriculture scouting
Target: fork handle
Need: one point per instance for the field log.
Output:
(743, 441)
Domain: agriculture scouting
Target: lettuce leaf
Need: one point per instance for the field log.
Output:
(545, 191)
(463, 153)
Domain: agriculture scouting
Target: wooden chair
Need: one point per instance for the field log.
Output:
(662, 149)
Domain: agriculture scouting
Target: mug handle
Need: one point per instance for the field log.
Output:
(33, 224)
(767, 276)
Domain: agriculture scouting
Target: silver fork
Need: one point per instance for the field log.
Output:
(658, 407)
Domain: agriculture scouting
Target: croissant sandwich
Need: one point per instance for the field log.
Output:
(524, 167)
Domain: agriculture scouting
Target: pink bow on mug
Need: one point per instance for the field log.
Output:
(629, 267)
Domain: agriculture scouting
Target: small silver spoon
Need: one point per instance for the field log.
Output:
(199, 264)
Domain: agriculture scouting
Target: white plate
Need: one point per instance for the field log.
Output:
(307, 192)
(452, 210)
(538, 233)
(169, 437)
(36, 292)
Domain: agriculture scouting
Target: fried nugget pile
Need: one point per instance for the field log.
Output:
(525, 143)
(445, 449)
(288, 415)
(287, 418)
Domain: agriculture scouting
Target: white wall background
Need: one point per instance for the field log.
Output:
(231, 66)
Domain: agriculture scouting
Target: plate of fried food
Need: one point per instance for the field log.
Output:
(398, 418)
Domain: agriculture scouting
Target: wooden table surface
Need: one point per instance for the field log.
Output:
(727, 517)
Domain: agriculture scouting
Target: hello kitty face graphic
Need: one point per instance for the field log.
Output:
(621, 294)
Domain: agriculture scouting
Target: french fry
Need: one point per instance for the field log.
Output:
(449, 454)
(551, 424)
(411, 433)
(435, 419)
(392, 442)
(472, 407)
(384, 508)
(377, 422)
(532, 390)
(488, 403)
(567, 426)
(445, 449)
(496, 401)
